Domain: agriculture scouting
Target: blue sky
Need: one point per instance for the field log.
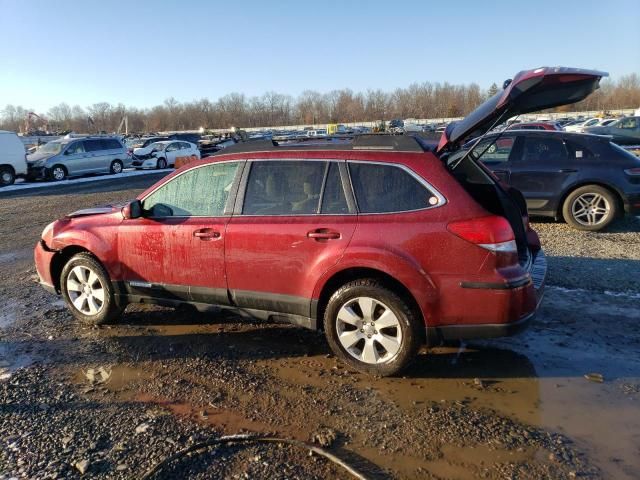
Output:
(141, 52)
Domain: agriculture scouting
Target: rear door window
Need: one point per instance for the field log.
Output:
(284, 188)
(199, 192)
(543, 149)
(388, 188)
(577, 151)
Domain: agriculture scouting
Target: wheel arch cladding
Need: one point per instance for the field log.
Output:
(346, 275)
(60, 260)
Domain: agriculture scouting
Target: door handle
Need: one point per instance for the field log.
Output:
(206, 234)
(323, 234)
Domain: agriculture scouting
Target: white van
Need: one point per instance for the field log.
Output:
(13, 158)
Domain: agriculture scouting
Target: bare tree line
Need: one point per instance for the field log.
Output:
(424, 100)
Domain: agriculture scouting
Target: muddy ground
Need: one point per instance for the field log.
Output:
(517, 407)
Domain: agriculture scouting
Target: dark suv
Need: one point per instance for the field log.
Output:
(382, 243)
(585, 179)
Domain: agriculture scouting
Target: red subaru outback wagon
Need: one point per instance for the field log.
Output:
(383, 242)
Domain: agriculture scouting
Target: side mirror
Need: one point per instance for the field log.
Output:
(132, 210)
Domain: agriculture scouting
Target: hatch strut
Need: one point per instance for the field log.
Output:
(480, 138)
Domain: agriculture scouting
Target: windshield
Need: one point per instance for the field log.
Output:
(51, 147)
(156, 146)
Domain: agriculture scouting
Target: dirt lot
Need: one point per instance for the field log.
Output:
(518, 407)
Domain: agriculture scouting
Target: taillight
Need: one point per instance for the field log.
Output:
(632, 171)
(492, 233)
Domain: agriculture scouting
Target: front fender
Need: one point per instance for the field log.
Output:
(99, 247)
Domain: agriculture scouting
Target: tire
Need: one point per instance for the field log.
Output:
(161, 164)
(7, 176)
(357, 341)
(58, 172)
(116, 167)
(590, 208)
(82, 297)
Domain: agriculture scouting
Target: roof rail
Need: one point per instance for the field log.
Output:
(366, 142)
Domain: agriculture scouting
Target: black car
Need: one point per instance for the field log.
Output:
(586, 179)
(625, 131)
(146, 141)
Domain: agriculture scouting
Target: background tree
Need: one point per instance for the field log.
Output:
(272, 109)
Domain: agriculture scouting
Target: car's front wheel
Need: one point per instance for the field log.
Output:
(371, 328)
(590, 208)
(161, 164)
(87, 290)
(58, 172)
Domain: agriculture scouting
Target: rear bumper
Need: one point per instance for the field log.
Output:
(489, 310)
(490, 330)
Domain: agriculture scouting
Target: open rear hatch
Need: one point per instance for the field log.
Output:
(529, 91)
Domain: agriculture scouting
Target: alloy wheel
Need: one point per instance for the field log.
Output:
(369, 330)
(590, 209)
(85, 290)
(58, 173)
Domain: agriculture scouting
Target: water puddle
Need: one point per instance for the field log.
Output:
(537, 378)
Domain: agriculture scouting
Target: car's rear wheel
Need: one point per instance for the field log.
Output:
(58, 172)
(7, 176)
(371, 328)
(116, 167)
(590, 208)
(162, 164)
(87, 291)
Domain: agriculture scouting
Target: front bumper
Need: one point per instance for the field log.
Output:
(43, 257)
(144, 162)
(34, 173)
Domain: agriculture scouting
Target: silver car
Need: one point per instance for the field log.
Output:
(67, 157)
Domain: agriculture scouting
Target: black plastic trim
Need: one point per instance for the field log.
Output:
(272, 302)
(489, 330)
(498, 286)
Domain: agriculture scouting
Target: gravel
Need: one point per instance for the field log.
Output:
(600, 261)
